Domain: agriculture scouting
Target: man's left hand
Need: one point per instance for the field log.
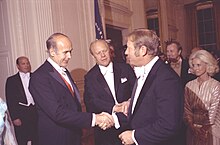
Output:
(126, 137)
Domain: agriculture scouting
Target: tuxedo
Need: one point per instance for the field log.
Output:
(15, 97)
(99, 98)
(157, 115)
(59, 112)
(185, 77)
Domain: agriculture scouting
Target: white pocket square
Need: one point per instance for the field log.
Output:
(123, 80)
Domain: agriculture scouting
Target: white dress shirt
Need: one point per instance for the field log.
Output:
(108, 74)
(25, 77)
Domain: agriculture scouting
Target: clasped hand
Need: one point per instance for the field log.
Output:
(104, 120)
(201, 131)
(122, 107)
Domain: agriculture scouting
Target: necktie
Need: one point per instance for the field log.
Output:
(68, 85)
(132, 97)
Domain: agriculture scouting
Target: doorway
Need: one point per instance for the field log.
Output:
(115, 35)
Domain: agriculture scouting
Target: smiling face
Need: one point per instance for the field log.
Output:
(173, 54)
(24, 65)
(199, 67)
(62, 54)
(101, 53)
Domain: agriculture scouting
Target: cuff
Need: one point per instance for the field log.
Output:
(117, 125)
(136, 143)
(93, 119)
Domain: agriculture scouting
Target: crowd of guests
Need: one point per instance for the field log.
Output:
(202, 93)
(156, 99)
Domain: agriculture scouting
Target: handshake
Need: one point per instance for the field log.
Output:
(104, 120)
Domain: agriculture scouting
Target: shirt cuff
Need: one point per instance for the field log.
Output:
(117, 125)
(133, 138)
(93, 119)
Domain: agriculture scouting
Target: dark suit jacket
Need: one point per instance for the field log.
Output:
(60, 117)
(98, 97)
(157, 116)
(15, 94)
(184, 75)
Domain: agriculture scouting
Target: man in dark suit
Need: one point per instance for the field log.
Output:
(21, 104)
(106, 85)
(176, 61)
(181, 67)
(58, 102)
(156, 107)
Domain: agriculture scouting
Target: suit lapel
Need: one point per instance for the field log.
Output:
(21, 88)
(53, 72)
(117, 74)
(101, 80)
(57, 77)
(148, 82)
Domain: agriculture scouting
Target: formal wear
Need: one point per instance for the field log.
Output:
(202, 108)
(21, 106)
(59, 111)
(157, 107)
(182, 69)
(104, 89)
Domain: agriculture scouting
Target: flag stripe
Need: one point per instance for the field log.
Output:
(98, 22)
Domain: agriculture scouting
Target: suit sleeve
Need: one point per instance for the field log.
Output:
(12, 99)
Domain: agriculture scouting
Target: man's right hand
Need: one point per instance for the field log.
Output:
(104, 120)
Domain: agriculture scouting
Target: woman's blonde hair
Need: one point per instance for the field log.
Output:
(208, 58)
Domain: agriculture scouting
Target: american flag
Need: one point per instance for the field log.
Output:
(98, 22)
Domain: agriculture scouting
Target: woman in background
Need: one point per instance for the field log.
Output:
(202, 96)
(6, 135)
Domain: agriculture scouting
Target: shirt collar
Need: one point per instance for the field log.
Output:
(24, 74)
(56, 66)
(144, 70)
(106, 69)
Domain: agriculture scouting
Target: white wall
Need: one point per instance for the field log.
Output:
(26, 24)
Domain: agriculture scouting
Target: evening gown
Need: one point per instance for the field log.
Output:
(202, 108)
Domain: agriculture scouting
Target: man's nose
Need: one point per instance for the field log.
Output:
(69, 55)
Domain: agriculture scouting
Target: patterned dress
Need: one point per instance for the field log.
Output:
(6, 133)
(202, 110)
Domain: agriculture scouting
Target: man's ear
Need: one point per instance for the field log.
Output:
(143, 50)
(52, 52)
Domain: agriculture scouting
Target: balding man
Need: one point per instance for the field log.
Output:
(21, 104)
